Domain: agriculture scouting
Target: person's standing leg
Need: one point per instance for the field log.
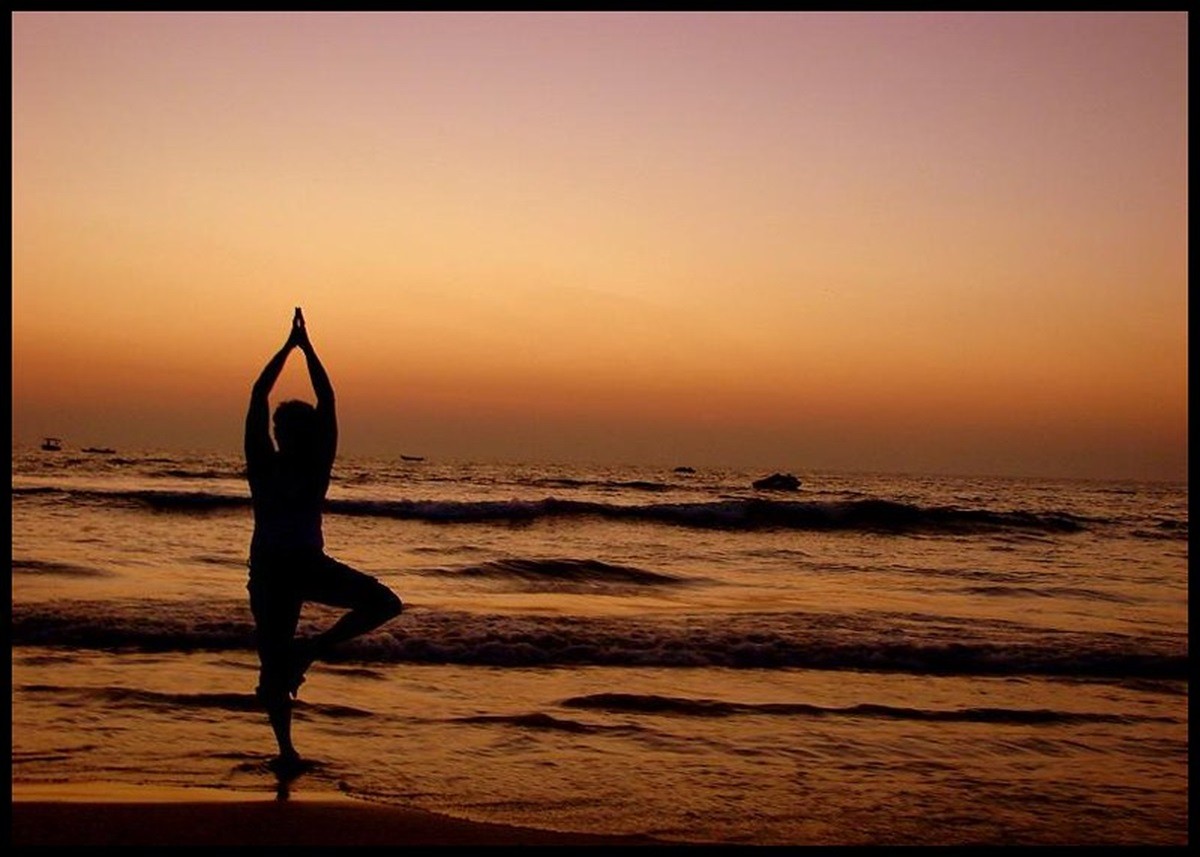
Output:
(276, 614)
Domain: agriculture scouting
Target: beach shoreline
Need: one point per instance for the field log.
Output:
(641, 655)
(120, 814)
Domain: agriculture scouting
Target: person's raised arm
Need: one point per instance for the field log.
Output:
(326, 408)
(258, 415)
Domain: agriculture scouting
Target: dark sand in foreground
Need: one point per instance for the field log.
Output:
(106, 814)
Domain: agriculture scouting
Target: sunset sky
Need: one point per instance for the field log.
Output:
(902, 242)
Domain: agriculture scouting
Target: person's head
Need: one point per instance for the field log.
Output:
(295, 426)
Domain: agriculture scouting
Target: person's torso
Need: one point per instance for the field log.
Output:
(288, 498)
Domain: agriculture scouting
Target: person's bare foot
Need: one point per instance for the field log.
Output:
(288, 766)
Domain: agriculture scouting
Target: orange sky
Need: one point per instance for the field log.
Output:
(901, 242)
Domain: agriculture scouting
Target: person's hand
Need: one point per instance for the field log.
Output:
(299, 334)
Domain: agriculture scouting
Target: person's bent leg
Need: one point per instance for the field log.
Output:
(370, 603)
(362, 619)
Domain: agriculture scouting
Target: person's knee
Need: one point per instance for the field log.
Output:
(271, 694)
(384, 604)
(390, 605)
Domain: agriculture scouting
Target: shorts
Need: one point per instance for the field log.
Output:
(280, 584)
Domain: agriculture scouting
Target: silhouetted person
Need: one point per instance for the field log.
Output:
(288, 564)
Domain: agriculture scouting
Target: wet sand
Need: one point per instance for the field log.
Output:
(107, 814)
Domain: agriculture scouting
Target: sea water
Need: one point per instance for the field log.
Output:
(872, 659)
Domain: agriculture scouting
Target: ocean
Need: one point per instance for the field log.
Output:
(871, 659)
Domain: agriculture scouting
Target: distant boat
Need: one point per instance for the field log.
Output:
(412, 458)
(778, 482)
(102, 449)
(51, 444)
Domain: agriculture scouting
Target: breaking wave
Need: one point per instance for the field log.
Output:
(725, 514)
(563, 574)
(653, 704)
(870, 642)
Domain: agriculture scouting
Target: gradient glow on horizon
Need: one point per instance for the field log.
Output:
(911, 242)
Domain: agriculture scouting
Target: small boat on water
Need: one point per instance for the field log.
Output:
(51, 444)
(412, 458)
(100, 449)
(777, 482)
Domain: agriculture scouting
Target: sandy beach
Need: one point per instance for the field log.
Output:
(112, 814)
